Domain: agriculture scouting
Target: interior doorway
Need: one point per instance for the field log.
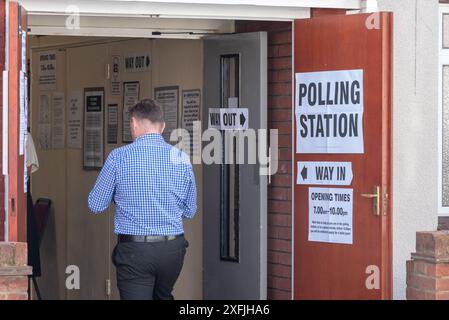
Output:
(74, 237)
(84, 66)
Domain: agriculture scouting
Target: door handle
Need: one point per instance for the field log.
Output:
(376, 199)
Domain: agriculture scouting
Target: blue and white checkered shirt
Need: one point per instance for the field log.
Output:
(152, 185)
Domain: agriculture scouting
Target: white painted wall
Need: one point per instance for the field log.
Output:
(415, 127)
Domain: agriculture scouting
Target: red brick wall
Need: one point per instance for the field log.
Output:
(280, 189)
(13, 271)
(2, 63)
(428, 270)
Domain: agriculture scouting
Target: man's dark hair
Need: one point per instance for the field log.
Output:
(147, 109)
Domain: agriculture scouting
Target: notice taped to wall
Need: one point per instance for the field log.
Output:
(24, 52)
(167, 97)
(47, 70)
(228, 118)
(112, 125)
(44, 128)
(137, 62)
(324, 173)
(115, 76)
(93, 128)
(329, 112)
(75, 119)
(191, 100)
(23, 112)
(58, 121)
(330, 215)
(130, 98)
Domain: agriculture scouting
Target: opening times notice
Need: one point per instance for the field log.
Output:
(330, 215)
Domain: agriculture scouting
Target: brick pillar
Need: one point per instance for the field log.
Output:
(13, 271)
(428, 269)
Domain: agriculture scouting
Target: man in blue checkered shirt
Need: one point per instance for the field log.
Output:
(153, 187)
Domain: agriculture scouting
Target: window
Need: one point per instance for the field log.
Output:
(443, 112)
(229, 173)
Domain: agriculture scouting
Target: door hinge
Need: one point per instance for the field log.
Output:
(108, 287)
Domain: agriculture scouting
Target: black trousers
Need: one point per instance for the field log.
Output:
(148, 270)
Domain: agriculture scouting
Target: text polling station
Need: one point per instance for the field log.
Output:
(329, 110)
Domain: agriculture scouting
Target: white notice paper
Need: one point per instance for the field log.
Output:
(115, 79)
(130, 98)
(228, 118)
(23, 112)
(75, 118)
(93, 128)
(167, 97)
(47, 70)
(137, 62)
(330, 215)
(44, 130)
(24, 51)
(25, 168)
(58, 121)
(112, 125)
(191, 100)
(324, 173)
(329, 112)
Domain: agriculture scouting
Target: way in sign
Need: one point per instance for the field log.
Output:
(324, 173)
(327, 173)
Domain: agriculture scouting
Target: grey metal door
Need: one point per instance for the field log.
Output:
(234, 195)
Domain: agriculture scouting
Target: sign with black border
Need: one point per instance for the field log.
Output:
(93, 140)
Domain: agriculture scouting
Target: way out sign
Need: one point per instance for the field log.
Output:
(228, 118)
(324, 173)
(329, 111)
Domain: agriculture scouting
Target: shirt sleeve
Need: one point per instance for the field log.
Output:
(101, 195)
(189, 203)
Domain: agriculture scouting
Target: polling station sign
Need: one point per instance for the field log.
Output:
(329, 111)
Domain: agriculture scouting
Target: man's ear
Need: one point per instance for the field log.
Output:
(162, 127)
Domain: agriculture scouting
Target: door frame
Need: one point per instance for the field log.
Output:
(15, 197)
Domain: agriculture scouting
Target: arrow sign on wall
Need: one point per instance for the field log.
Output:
(228, 118)
(324, 173)
(304, 173)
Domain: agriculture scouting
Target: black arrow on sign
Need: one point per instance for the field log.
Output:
(304, 173)
(242, 119)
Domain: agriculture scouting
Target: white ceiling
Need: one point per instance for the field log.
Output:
(140, 18)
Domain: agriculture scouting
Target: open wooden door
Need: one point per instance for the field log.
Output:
(234, 195)
(342, 193)
(17, 104)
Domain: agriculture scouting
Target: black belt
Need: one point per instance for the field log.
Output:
(130, 238)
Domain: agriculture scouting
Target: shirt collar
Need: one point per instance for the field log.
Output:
(150, 137)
